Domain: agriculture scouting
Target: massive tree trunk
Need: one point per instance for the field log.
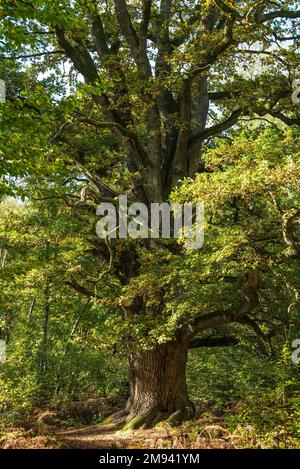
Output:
(158, 386)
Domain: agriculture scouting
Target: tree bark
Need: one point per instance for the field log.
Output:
(158, 386)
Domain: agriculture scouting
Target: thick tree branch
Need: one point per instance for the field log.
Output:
(99, 35)
(225, 94)
(163, 38)
(137, 43)
(213, 53)
(221, 318)
(213, 342)
(272, 15)
(179, 163)
(126, 27)
(217, 128)
(287, 120)
(146, 16)
(78, 53)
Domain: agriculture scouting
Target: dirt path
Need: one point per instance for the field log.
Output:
(96, 437)
(108, 437)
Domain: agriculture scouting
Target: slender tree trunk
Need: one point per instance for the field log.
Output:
(44, 354)
(158, 386)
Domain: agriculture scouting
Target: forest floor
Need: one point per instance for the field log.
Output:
(94, 437)
(107, 437)
(73, 428)
(206, 432)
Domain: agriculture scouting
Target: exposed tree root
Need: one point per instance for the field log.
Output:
(180, 416)
(144, 420)
(117, 419)
(150, 418)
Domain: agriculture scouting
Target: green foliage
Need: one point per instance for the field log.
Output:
(80, 127)
(61, 359)
(258, 397)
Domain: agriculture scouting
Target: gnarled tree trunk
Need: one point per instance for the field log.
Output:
(158, 386)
